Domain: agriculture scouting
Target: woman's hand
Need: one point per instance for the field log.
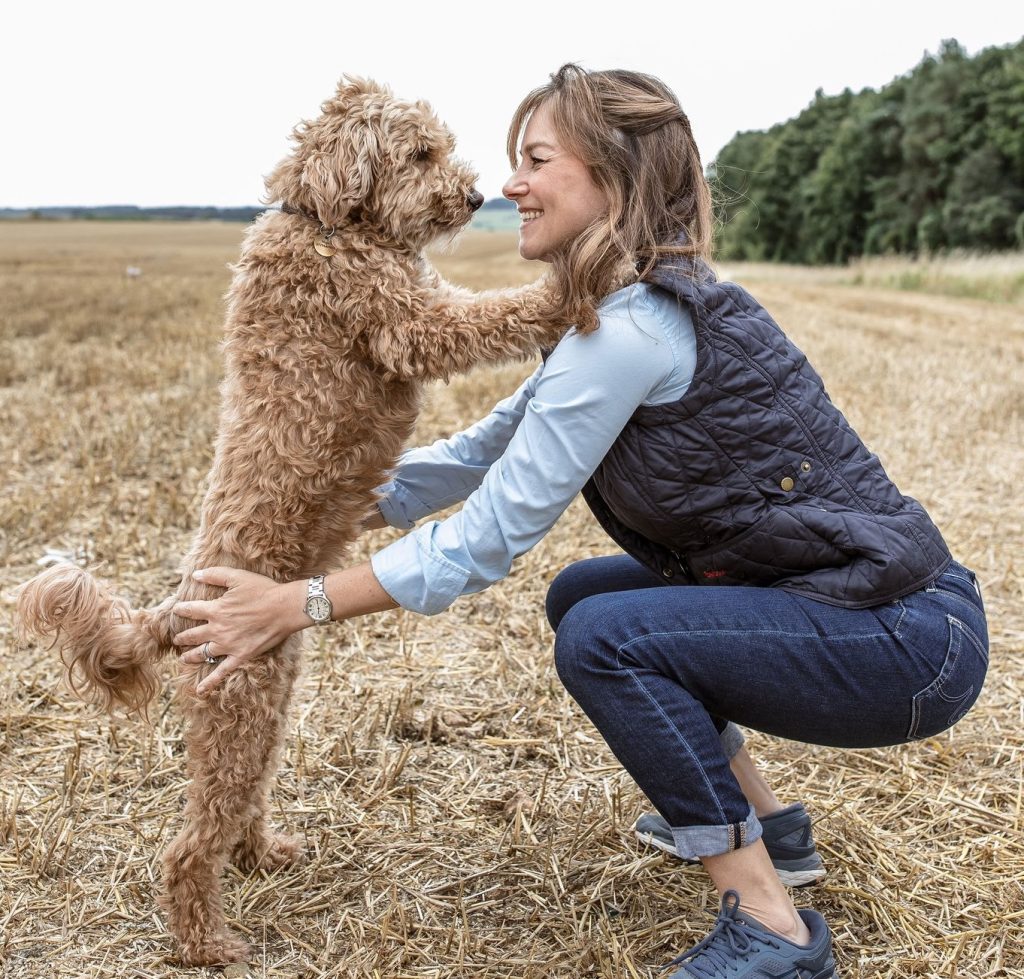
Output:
(253, 615)
(257, 613)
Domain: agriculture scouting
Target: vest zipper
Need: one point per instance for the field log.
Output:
(684, 568)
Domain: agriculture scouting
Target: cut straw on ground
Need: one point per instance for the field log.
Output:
(460, 816)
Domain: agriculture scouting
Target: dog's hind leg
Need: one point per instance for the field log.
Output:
(233, 735)
(260, 847)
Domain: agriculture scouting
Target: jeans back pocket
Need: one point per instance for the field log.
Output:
(953, 692)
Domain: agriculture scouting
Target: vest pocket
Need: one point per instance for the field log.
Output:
(953, 692)
(780, 545)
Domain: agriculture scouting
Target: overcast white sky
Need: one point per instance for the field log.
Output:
(190, 102)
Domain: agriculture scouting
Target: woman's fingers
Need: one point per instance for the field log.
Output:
(192, 637)
(223, 577)
(226, 666)
(197, 610)
(200, 653)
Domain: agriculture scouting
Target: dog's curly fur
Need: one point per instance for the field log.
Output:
(325, 361)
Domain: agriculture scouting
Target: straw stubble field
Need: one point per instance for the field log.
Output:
(461, 817)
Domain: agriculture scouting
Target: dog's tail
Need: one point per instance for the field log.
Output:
(109, 650)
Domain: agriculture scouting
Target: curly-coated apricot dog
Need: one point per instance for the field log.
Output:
(334, 322)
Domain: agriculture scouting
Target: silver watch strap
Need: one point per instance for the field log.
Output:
(316, 587)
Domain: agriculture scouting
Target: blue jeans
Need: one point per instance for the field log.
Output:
(662, 670)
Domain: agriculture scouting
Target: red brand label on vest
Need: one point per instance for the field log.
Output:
(715, 574)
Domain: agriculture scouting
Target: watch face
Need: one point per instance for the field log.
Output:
(318, 609)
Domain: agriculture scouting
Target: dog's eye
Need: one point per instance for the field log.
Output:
(422, 155)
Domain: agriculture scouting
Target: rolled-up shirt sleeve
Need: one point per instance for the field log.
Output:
(579, 403)
(432, 477)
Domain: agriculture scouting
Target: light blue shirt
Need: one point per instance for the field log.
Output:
(521, 466)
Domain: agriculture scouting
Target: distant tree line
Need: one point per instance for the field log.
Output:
(933, 161)
(129, 212)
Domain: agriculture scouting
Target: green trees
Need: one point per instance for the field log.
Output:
(934, 160)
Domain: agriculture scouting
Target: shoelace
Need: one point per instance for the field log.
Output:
(730, 939)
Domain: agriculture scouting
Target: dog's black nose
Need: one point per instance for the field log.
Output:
(475, 200)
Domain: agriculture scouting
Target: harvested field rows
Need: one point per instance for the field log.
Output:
(462, 818)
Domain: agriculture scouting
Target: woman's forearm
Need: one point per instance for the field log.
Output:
(354, 591)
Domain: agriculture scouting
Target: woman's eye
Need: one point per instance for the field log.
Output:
(537, 161)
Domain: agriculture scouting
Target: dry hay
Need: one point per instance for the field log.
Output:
(462, 817)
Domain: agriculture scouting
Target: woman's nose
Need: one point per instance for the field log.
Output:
(514, 187)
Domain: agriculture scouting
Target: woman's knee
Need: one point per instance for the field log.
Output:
(583, 646)
(596, 576)
(562, 594)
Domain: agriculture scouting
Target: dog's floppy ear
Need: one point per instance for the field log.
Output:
(336, 155)
(340, 178)
(339, 174)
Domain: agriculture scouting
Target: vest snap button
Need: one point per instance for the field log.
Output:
(787, 483)
(805, 466)
(668, 572)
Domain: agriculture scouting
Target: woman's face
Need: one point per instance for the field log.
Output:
(554, 192)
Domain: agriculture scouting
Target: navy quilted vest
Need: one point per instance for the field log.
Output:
(754, 477)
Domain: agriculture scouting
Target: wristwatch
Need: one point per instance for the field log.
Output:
(318, 606)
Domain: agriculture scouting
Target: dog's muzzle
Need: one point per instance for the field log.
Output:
(475, 200)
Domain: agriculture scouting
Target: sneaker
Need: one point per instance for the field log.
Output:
(786, 834)
(740, 948)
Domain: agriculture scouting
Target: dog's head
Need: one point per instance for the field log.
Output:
(380, 161)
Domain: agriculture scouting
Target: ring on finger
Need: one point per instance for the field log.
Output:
(207, 658)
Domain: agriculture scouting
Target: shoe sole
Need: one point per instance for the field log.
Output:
(801, 878)
(791, 878)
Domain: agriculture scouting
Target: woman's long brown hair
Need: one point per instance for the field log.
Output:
(634, 138)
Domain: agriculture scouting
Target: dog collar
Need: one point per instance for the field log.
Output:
(322, 243)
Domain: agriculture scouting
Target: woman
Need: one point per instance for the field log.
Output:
(830, 610)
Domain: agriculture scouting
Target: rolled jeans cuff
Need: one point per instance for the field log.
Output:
(694, 842)
(732, 739)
